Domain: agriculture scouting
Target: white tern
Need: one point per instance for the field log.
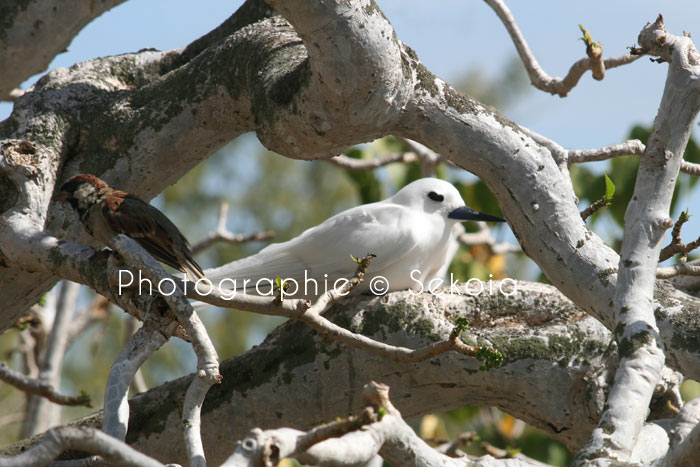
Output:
(409, 233)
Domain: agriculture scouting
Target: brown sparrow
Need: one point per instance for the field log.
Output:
(105, 212)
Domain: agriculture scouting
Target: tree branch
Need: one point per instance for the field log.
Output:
(39, 387)
(682, 268)
(538, 77)
(429, 160)
(40, 414)
(546, 374)
(150, 337)
(207, 358)
(222, 234)
(595, 207)
(84, 439)
(646, 221)
(631, 147)
(350, 163)
(484, 237)
(343, 443)
(684, 436)
(30, 45)
(677, 246)
(312, 316)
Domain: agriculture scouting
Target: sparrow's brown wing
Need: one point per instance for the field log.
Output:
(153, 230)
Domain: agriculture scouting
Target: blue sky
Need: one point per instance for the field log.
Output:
(452, 37)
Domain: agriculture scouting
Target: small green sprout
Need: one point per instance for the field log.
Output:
(491, 357)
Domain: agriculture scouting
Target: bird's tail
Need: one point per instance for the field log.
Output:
(193, 270)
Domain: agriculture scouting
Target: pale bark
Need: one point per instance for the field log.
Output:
(325, 76)
(538, 77)
(33, 32)
(41, 413)
(554, 375)
(646, 222)
(63, 438)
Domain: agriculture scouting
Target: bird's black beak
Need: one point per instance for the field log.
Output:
(465, 213)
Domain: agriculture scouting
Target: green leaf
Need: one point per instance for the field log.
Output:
(354, 259)
(609, 188)
(368, 186)
(491, 357)
(512, 452)
(461, 323)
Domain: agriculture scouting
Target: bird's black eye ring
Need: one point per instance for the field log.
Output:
(436, 197)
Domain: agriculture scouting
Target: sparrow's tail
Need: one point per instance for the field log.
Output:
(193, 270)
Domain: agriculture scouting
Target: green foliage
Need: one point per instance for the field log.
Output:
(491, 357)
(281, 284)
(587, 39)
(461, 324)
(609, 188)
(368, 186)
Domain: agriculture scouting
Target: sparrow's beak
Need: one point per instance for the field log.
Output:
(465, 213)
(61, 196)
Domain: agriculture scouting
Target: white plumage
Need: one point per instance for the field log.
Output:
(410, 234)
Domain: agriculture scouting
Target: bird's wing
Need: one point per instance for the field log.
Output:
(151, 228)
(380, 228)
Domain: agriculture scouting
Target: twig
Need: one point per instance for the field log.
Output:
(26, 349)
(39, 387)
(304, 311)
(267, 448)
(483, 237)
(222, 234)
(138, 383)
(452, 447)
(595, 207)
(85, 439)
(538, 77)
(155, 332)
(682, 268)
(499, 453)
(690, 168)
(98, 311)
(633, 147)
(429, 159)
(594, 50)
(351, 163)
(337, 428)
(677, 246)
(40, 414)
(192, 420)
(630, 147)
